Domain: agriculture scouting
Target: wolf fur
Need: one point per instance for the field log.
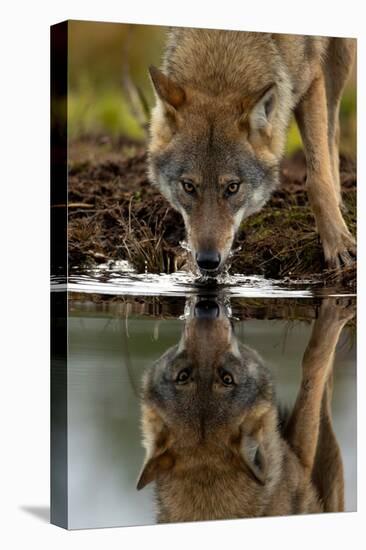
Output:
(225, 100)
(217, 444)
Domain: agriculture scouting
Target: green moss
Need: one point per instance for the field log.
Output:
(348, 103)
(293, 139)
(106, 112)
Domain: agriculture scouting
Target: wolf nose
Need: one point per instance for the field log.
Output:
(208, 260)
(206, 309)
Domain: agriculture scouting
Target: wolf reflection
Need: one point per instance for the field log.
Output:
(219, 445)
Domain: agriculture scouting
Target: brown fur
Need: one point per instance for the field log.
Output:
(230, 95)
(217, 452)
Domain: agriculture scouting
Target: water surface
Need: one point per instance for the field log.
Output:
(119, 278)
(113, 340)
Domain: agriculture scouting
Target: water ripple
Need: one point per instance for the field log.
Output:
(120, 279)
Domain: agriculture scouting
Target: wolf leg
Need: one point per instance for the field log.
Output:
(304, 425)
(327, 475)
(336, 69)
(312, 118)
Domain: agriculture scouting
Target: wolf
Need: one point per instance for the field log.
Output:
(219, 446)
(224, 101)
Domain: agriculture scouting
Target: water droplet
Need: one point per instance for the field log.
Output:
(185, 246)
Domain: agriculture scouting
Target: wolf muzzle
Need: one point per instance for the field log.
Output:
(208, 260)
(207, 309)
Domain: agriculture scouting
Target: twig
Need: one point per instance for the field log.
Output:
(74, 205)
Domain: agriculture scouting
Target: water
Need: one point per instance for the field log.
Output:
(119, 278)
(121, 324)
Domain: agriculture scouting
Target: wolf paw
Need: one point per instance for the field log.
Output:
(341, 252)
(337, 310)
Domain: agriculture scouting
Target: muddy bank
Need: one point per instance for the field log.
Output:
(172, 307)
(115, 214)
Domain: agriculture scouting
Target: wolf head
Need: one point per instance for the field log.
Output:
(208, 406)
(215, 158)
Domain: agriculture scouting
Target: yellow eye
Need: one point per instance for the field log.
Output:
(226, 378)
(188, 186)
(183, 376)
(232, 188)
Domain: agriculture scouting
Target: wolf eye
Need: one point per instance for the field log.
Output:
(183, 376)
(188, 186)
(232, 188)
(226, 378)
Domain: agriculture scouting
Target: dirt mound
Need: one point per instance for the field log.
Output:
(115, 213)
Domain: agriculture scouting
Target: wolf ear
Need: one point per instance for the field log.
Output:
(153, 466)
(251, 455)
(167, 90)
(259, 113)
(156, 441)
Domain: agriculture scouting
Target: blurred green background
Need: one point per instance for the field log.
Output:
(109, 87)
